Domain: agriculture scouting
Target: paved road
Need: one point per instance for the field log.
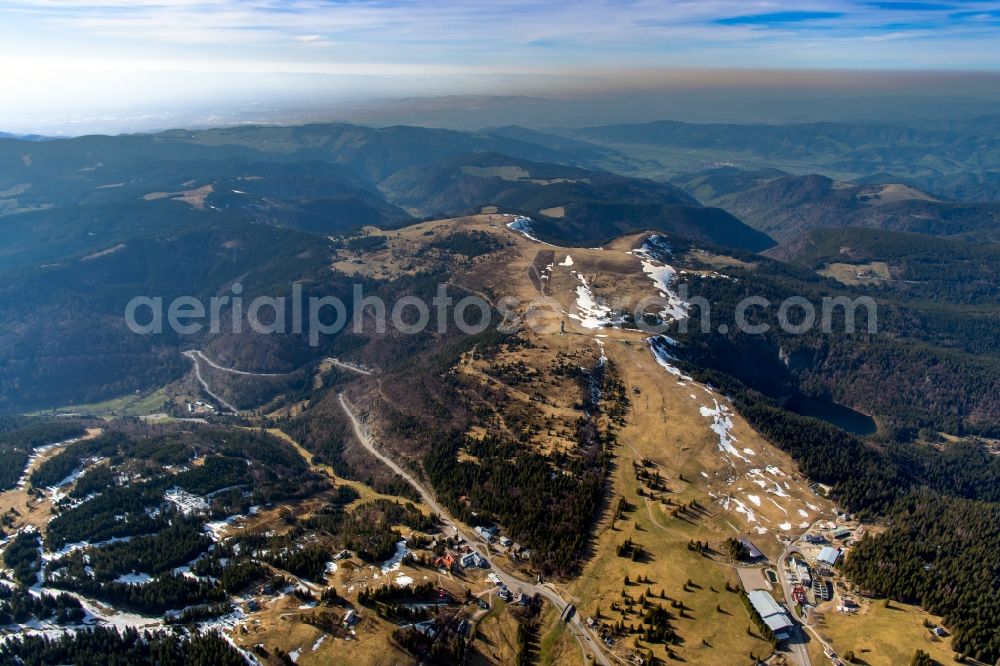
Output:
(201, 355)
(335, 361)
(587, 640)
(350, 366)
(797, 644)
(195, 355)
(787, 587)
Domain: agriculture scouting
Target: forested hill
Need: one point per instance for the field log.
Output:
(931, 364)
(90, 222)
(783, 205)
(71, 344)
(948, 158)
(87, 194)
(569, 206)
(915, 266)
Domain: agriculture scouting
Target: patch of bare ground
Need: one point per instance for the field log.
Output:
(193, 197)
(854, 274)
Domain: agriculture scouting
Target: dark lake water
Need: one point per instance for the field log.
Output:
(839, 415)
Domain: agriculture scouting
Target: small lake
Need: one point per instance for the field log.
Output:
(834, 413)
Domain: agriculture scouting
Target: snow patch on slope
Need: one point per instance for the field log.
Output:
(660, 346)
(662, 275)
(722, 425)
(394, 562)
(591, 314)
(522, 225)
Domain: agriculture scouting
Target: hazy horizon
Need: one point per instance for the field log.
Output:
(113, 66)
(773, 97)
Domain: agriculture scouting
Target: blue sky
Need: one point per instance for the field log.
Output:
(98, 54)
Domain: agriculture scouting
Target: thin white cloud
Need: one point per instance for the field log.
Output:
(448, 25)
(61, 53)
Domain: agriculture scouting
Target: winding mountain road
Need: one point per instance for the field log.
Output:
(201, 355)
(195, 356)
(585, 638)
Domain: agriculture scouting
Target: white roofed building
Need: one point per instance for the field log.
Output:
(772, 613)
(829, 555)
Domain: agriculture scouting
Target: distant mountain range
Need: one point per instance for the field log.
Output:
(515, 429)
(91, 221)
(953, 159)
(87, 193)
(783, 205)
(26, 137)
(570, 205)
